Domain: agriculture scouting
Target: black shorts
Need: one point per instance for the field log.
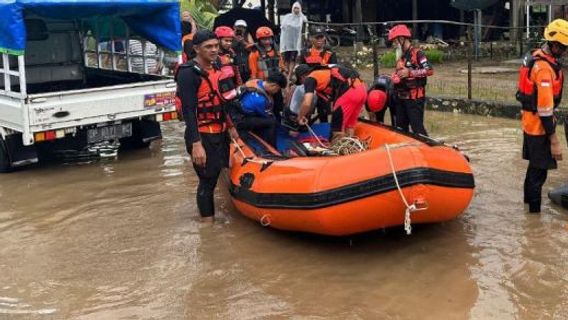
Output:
(536, 149)
(216, 147)
(290, 56)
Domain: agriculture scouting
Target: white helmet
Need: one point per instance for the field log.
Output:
(240, 23)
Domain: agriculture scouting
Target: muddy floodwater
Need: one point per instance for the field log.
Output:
(120, 240)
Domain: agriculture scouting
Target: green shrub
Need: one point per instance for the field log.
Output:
(434, 55)
(388, 60)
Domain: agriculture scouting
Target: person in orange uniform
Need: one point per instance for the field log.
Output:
(540, 91)
(341, 87)
(265, 60)
(226, 62)
(319, 55)
(203, 110)
(409, 79)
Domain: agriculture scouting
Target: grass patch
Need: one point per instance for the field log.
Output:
(435, 56)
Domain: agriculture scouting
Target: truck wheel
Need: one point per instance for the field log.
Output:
(5, 165)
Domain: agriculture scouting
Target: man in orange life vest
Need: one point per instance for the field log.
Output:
(203, 110)
(265, 60)
(409, 79)
(338, 85)
(319, 55)
(540, 91)
(227, 55)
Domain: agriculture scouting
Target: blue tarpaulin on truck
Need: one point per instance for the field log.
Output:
(155, 20)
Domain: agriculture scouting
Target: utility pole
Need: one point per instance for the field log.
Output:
(415, 16)
(514, 17)
(358, 18)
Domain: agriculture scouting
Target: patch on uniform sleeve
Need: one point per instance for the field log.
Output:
(545, 84)
(423, 60)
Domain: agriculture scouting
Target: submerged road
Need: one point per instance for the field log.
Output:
(121, 240)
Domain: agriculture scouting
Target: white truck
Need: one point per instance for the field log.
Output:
(73, 94)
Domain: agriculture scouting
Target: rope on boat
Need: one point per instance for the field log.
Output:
(349, 145)
(342, 146)
(249, 159)
(409, 208)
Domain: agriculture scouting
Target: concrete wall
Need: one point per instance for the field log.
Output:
(477, 107)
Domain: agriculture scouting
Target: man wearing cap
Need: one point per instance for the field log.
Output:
(203, 110)
(319, 55)
(242, 45)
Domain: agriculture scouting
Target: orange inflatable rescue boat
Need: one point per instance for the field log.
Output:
(401, 179)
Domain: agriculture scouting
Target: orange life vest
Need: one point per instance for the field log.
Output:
(210, 102)
(232, 78)
(527, 93)
(413, 88)
(313, 57)
(267, 64)
(333, 81)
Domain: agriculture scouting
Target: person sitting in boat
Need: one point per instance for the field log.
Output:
(379, 97)
(339, 85)
(255, 111)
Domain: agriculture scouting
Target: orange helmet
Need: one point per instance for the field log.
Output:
(264, 32)
(376, 100)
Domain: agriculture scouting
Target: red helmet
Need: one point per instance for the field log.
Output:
(264, 32)
(224, 32)
(376, 100)
(400, 30)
